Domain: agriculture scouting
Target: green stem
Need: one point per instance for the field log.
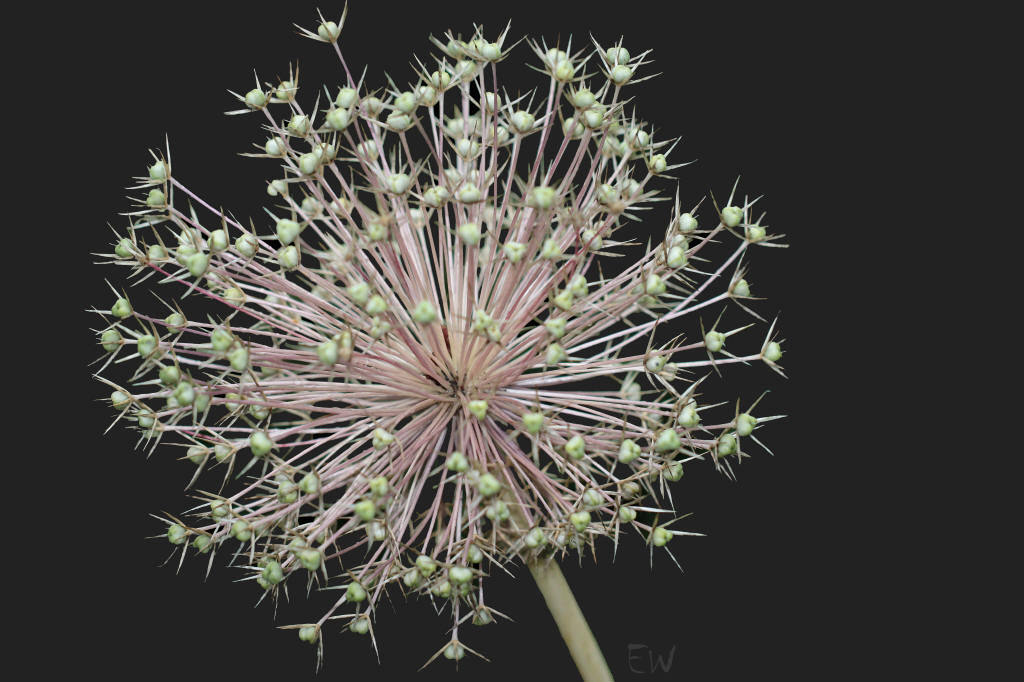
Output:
(571, 623)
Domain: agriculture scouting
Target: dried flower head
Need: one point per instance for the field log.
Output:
(416, 360)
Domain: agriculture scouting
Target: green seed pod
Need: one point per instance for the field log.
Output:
(220, 509)
(176, 534)
(726, 445)
(156, 198)
(657, 163)
(580, 520)
(689, 418)
(246, 245)
(376, 305)
(654, 285)
(755, 233)
(563, 300)
(458, 575)
(424, 312)
(676, 257)
(365, 509)
(714, 341)
(631, 489)
(218, 241)
(310, 558)
(551, 249)
(555, 326)
(475, 554)
(674, 471)
(627, 514)
(275, 147)
(156, 252)
(121, 308)
(346, 98)
(310, 484)
(620, 74)
(535, 538)
(488, 485)
(360, 625)
(184, 393)
(741, 288)
(222, 451)
(616, 55)
(197, 264)
(288, 257)
(308, 163)
(656, 363)
(468, 194)
(298, 125)
(436, 196)
(124, 248)
(202, 543)
(111, 340)
(478, 408)
(542, 197)
(359, 292)
(379, 486)
(497, 511)
(514, 251)
(454, 651)
(426, 565)
(555, 354)
(372, 105)
(592, 498)
(575, 447)
(772, 351)
(327, 352)
(732, 216)
(668, 441)
(308, 633)
(522, 121)
(287, 230)
(273, 573)
(241, 530)
(457, 462)
(255, 99)
(660, 537)
(197, 453)
(379, 327)
(628, 451)
(355, 593)
(286, 90)
(533, 422)
(382, 439)
(745, 424)
(221, 339)
(469, 233)
(158, 171)
(412, 578)
(260, 443)
(328, 31)
(443, 589)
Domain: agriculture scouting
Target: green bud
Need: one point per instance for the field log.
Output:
(475, 554)
(379, 327)
(221, 339)
(580, 520)
(459, 575)
(468, 194)
(627, 514)
(308, 633)
(533, 422)
(424, 312)
(542, 197)
(176, 534)
(310, 484)
(328, 31)
(239, 358)
(360, 625)
(308, 163)
(732, 216)
(222, 451)
(620, 74)
(655, 363)
(443, 589)
(654, 285)
(497, 511)
(555, 354)
(156, 252)
(276, 147)
(563, 299)
(121, 309)
(674, 471)
(412, 578)
(111, 340)
(426, 565)
(550, 250)
(628, 451)
(745, 424)
(219, 509)
(488, 485)
(255, 99)
(124, 248)
(241, 530)
(676, 257)
(359, 292)
(741, 288)
(592, 498)
(657, 163)
(260, 443)
(454, 651)
(714, 341)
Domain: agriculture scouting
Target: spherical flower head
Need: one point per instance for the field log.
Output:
(413, 366)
